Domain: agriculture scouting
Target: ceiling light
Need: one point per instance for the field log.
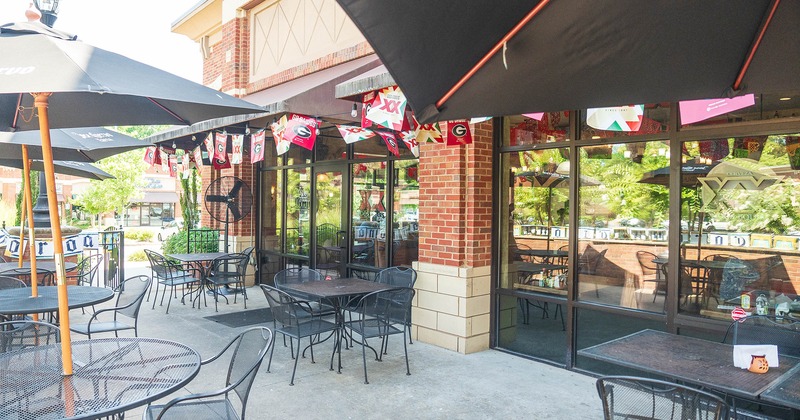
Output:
(354, 112)
(785, 98)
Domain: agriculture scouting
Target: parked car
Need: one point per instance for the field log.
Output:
(169, 229)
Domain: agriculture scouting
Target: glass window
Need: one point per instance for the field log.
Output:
(330, 148)
(632, 120)
(371, 148)
(624, 203)
(405, 213)
(298, 202)
(369, 214)
(532, 326)
(538, 128)
(298, 156)
(271, 214)
(740, 225)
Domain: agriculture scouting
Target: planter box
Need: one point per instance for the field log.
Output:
(657, 234)
(586, 233)
(559, 232)
(739, 239)
(785, 242)
(760, 240)
(718, 239)
(604, 233)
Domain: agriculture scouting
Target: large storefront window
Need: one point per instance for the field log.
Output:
(405, 213)
(740, 225)
(369, 217)
(623, 213)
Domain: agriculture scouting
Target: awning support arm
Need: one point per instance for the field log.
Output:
(753, 48)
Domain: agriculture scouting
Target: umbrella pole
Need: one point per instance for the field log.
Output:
(28, 208)
(549, 217)
(22, 215)
(41, 103)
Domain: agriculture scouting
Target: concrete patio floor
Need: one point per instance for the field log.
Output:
(442, 385)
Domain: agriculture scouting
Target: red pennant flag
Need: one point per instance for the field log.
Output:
(458, 133)
(237, 142)
(301, 130)
(410, 140)
(173, 165)
(149, 155)
(220, 151)
(352, 134)
(391, 142)
(257, 146)
(222, 163)
(164, 159)
(388, 108)
(366, 104)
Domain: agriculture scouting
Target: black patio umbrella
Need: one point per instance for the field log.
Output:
(64, 167)
(457, 60)
(690, 172)
(75, 144)
(46, 72)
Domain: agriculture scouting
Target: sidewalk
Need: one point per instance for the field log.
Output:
(442, 385)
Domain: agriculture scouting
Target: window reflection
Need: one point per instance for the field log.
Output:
(623, 231)
(405, 213)
(740, 225)
(298, 200)
(369, 214)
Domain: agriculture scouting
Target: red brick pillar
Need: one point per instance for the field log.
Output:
(452, 304)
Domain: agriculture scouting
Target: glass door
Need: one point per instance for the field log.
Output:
(329, 229)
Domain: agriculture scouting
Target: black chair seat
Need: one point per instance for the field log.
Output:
(101, 327)
(196, 410)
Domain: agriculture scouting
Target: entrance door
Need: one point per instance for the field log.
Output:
(328, 241)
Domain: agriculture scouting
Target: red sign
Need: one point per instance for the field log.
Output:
(738, 313)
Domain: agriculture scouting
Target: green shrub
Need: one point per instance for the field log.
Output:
(137, 256)
(139, 235)
(177, 243)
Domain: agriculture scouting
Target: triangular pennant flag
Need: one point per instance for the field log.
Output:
(164, 157)
(391, 142)
(198, 157)
(186, 166)
(221, 149)
(366, 104)
(535, 116)
(478, 120)
(209, 143)
(222, 163)
(257, 146)
(617, 118)
(237, 142)
(458, 133)
(301, 130)
(278, 128)
(173, 166)
(388, 108)
(352, 134)
(429, 133)
(410, 140)
(149, 155)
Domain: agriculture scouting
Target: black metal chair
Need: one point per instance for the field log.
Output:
(21, 334)
(44, 277)
(125, 313)
(628, 397)
(172, 276)
(8, 282)
(766, 329)
(226, 271)
(381, 314)
(328, 260)
(87, 270)
(650, 273)
(247, 352)
(290, 318)
(588, 262)
(399, 277)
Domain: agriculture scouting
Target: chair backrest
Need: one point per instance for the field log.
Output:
(7, 282)
(130, 295)
(627, 397)
(248, 252)
(764, 329)
(17, 335)
(283, 307)
(646, 262)
(162, 267)
(230, 265)
(87, 270)
(250, 347)
(392, 306)
(398, 276)
(296, 275)
(589, 260)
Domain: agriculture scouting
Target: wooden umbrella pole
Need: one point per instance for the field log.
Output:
(23, 212)
(41, 103)
(28, 209)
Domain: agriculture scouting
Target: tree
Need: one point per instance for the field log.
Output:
(188, 197)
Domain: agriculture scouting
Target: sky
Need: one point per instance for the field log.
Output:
(138, 29)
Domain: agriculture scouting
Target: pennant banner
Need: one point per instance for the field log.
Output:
(73, 245)
(352, 134)
(391, 142)
(209, 142)
(257, 146)
(164, 158)
(198, 157)
(301, 130)
(366, 104)
(458, 133)
(150, 155)
(410, 140)
(429, 133)
(173, 166)
(186, 166)
(278, 128)
(388, 108)
(237, 142)
(221, 143)
(703, 109)
(617, 118)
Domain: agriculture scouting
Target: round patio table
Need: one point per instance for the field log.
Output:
(19, 301)
(110, 376)
(40, 265)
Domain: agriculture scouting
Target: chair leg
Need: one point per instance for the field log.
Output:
(364, 356)
(405, 349)
(294, 370)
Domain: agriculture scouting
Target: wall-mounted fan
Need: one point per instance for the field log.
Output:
(228, 199)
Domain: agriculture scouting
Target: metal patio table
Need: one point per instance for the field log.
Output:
(787, 391)
(111, 376)
(543, 254)
(691, 360)
(201, 260)
(40, 265)
(20, 302)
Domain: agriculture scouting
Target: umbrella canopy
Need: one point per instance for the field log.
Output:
(94, 87)
(555, 179)
(75, 144)
(690, 172)
(64, 167)
(521, 56)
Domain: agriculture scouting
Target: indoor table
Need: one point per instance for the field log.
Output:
(691, 360)
(110, 376)
(20, 302)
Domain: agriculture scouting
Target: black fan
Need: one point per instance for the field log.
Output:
(228, 200)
